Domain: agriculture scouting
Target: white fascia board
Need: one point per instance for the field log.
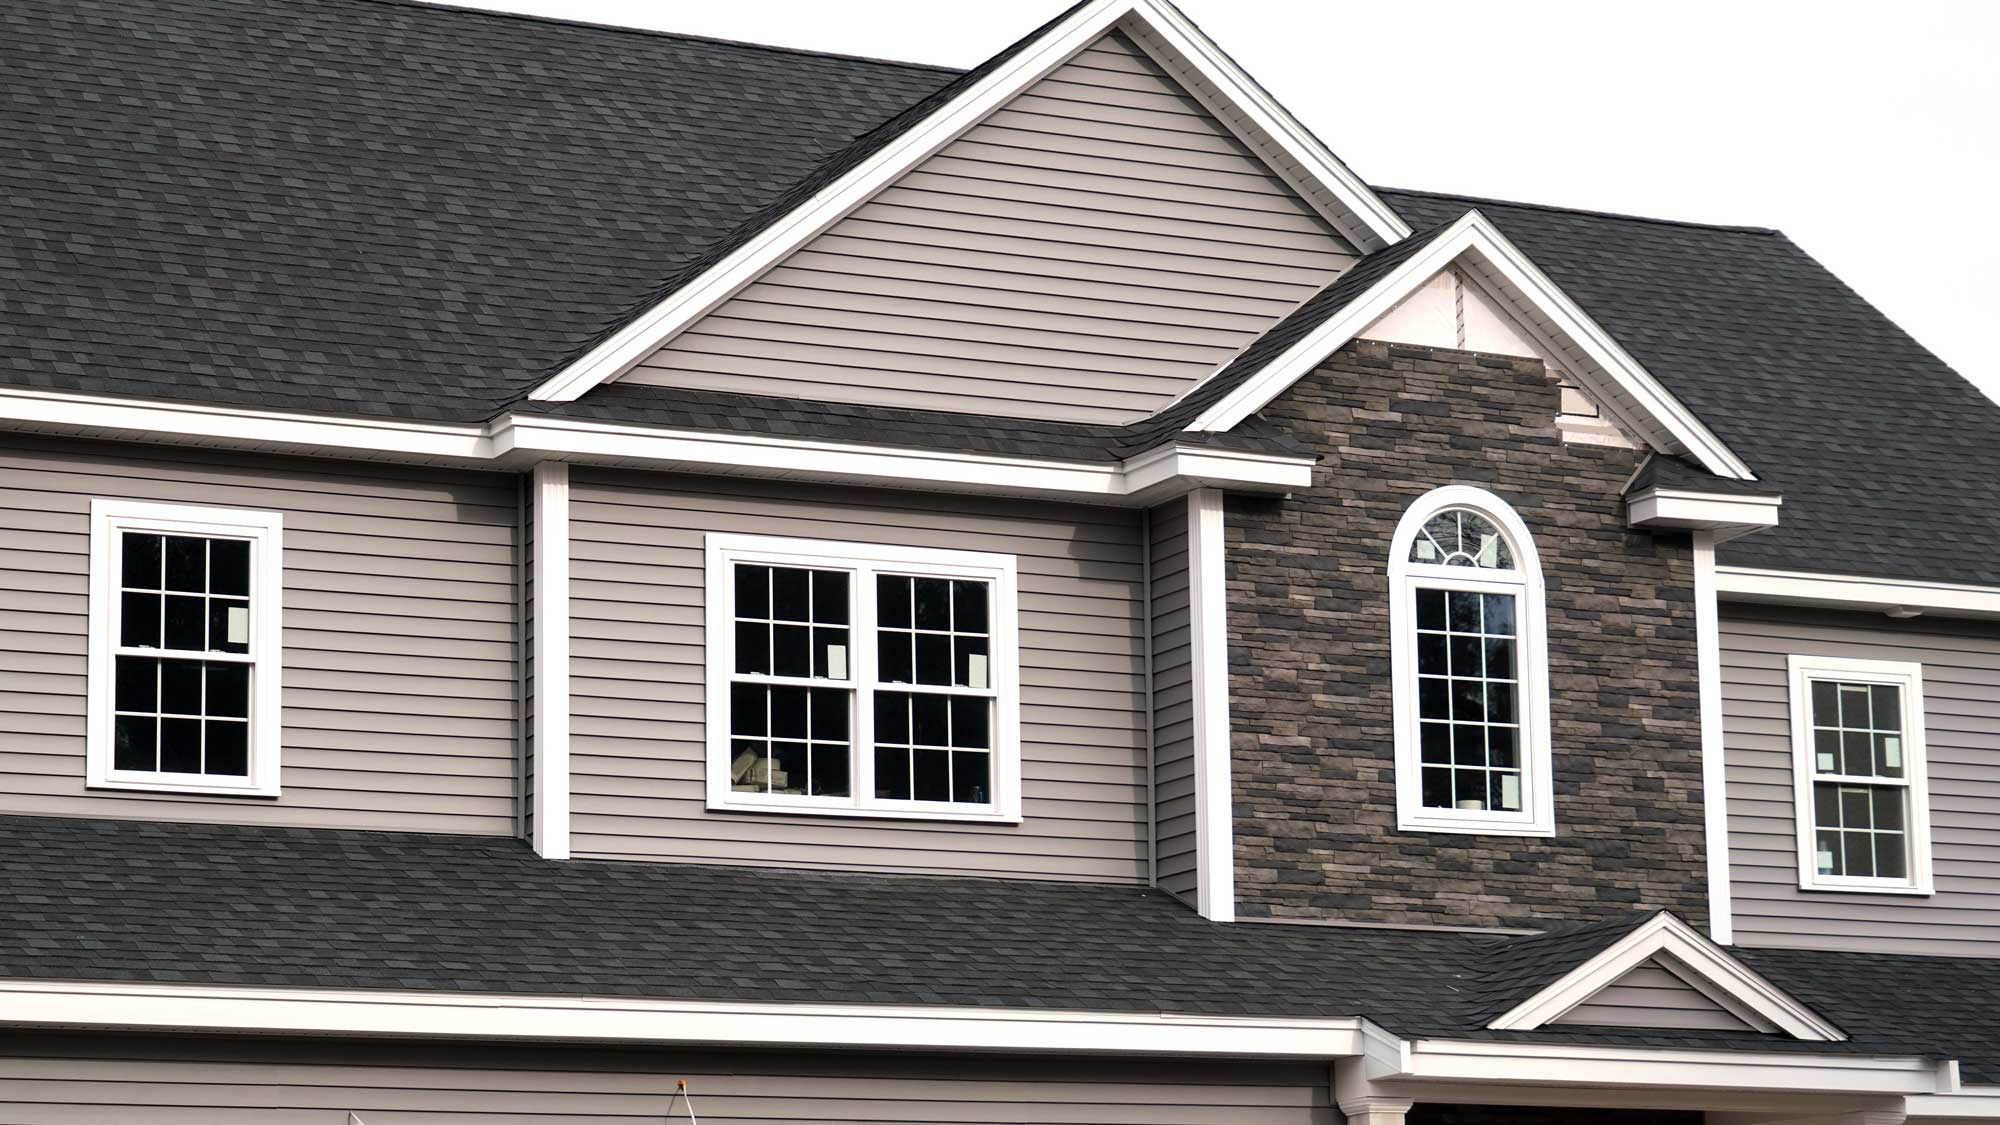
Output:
(155, 419)
(1475, 237)
(1665, 935)
(1448, 1060)
(1976, 1102)
(1153, 24)
(1178, 467)
(1842, 591)
(1236, 99)
(1700, 511)
(157, 1007)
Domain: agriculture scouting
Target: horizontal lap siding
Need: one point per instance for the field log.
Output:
(399, 608)
(1961, 664)
(1085, 253)
(1650, 996)
(1173, 700)
(638, 755)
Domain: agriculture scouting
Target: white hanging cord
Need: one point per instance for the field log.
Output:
(681, 1094)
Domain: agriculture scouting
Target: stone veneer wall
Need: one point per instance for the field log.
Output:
(1312, 746)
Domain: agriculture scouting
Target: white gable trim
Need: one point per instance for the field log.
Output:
(1612, 376)
(1176, 44)
(1707, 967)
(1898, 597)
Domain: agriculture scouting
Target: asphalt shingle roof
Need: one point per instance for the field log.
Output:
(215, 904)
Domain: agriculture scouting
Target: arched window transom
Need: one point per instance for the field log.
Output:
(1472, 745)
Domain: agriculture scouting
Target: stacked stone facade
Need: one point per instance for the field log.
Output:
(1313, 755)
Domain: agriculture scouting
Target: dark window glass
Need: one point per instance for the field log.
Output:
(1474, 761)
(892, 602)
(1432, 650)
(788, 712)
(753, 647)
(140, 567)
(135, 743)
(226, 751)
(180, 687)
(1436, 739)
(829, 594)
(1464, 611)
(180, 745)
(830, 771)
(892, 717)
(969, 782)
(929, 722)
(791, 651)
(791, 594)
(187, 564)
(227, 690)
(1499, 614)
(228, 625)
(1430, 609)
(968, 607)
(933, 603)
(139, 620)
(753, 591)
(187, 619)
(791, 769)
(970, 723)
(892, 773)
(749, 767)
(931, 774)
(747, 714)
(229, 567)
(137, 684)
(933, 658)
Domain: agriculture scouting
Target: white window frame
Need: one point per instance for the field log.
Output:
(1909, 677)
(109, 519)
(864, 561)
(1537, 814)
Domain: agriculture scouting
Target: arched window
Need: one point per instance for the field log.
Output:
(1469, 656)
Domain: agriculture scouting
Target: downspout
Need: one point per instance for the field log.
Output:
(1152, 718)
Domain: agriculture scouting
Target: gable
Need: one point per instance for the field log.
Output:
(1655, 995)
(1085, 253)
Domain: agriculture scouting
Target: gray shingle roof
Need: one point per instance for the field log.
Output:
(1888, 460)
(214, 904)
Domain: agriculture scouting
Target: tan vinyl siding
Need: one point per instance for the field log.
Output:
(69, 1080)
(1085, 253)
(1173, 700)
(638, 756)
(399, 606)
(1652, 996)
(1961, 667)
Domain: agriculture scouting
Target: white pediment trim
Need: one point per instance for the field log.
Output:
(1704, 965)
(1627, 391)
(1177, 45)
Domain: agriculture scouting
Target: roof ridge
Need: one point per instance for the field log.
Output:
(1557, 209)
(531, 17)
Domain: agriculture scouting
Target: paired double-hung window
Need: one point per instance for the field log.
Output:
(184, 648)
(857, 679)
(1468, 651)
(1858, 767)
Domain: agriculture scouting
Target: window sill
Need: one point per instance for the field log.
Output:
(1469, 827)
(179, 788)
(1865, 889)
(791, 808)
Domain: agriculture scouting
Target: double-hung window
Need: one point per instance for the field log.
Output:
(1858, 766)
(1469, 666)
(184, 647)
(861, 680)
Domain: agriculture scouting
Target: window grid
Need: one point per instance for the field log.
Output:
(790, 723)
(1468, 700)
(182, 594)
(1860, 787)
(931, 745)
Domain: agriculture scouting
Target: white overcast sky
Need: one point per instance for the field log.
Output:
(1868, 132)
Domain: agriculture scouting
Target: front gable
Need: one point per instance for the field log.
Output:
(1088, 251)
(1660, 993)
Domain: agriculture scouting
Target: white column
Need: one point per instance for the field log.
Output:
(1208, 643)
(1714, 770)
(551, 651)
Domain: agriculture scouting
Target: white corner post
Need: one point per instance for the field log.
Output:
(550, 761)
(1208, 619)
(1358, 1098)
(1714, 768)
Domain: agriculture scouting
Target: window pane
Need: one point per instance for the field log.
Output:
(1826, 805)
(1826, 751)
(829, 770)
(1437, 787)
(929, 720)
(228, 690)
(1464, 611)
(829, 716)
(1858, 753)
(1889, 755)
(1825, 703)
(1500, 614)
(1468, 701)
(227, 753)
(829, 593)
(931, 774)
(140, 562)
(1886, 707)
(1501, 747)
(1432, 650)
(136, 684)
(970, 662)
(971, 723)
(753, 591)
(229, 567)
(749, 766)
(789, 768)
(894, 656)
(1856, 808)
(1430, 609)
(933, 658)
(892, 717)
(1504, 791)
(969, 781)
(892, 602)
(186, 621)
(933, 603)
(791, 594)
(135, 743)
(753, 647)
(1891, 856)
(139, 620)
(228, 625)
(1436, 742)
(1860, 853)
(747, 714)
(1827, 855)
(1468, 744)
(1499, 658)
(187, 564)
(1469, 789)
(180, 745)
(180, 687)
(1434, 698)
(829, 653)
(1468, 656)
(892, 773)
(1889, 808)
(788, 712)
(791, 651)
(1500, 702)
(969, 607)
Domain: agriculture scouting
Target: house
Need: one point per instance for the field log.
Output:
(538, 561)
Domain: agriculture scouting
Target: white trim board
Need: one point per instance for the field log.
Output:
(1348, 204)
(1479, 1060)
(1208, 644)
(1714, 761)
(1729, 514)
(161, 1007)
(1607, 372)
(1841, 591)
(549, 759)
(1708, 967)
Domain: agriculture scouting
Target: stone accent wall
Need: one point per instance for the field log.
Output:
(1312, 743)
